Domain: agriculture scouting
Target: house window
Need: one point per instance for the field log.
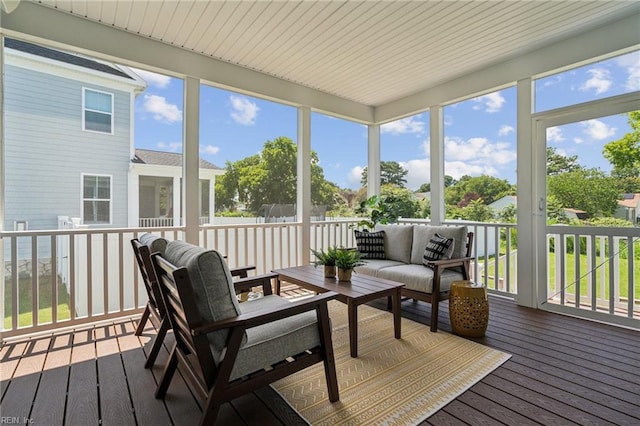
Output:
(96, 199)
(98, 111)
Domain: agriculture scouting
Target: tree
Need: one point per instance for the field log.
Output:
(391, 172)
(558, 163)
(585, 189)
(486, 187)
(394, 202)
(270, 178)
(624, 154)
(426, 187)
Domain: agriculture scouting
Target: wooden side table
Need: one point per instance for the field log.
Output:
(468, 309)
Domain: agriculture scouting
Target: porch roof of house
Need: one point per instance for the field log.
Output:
(162, 158)
(371, 62)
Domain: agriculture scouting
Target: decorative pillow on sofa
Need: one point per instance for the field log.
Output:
(370, 244)
(438, 248)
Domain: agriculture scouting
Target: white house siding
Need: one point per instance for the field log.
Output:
(46, 150)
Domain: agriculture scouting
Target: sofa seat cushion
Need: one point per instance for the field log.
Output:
(419, 278)
(212, 284)
(371, 267)
(397, 242)
(275, 341)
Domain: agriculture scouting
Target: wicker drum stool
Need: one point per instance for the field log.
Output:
(468, 308)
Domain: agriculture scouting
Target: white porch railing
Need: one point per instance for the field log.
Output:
(163, 222)
(595, 271)
(61, 278)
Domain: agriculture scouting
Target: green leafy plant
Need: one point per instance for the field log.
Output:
(327, 258)
(348, 258)
(379, 209)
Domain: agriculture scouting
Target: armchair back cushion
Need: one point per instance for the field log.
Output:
(397, 242)
(212, 285)
(155, 243)
(422, 234)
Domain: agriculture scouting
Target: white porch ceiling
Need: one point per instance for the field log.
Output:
(369, 52)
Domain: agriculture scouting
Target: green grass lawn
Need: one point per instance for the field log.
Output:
(25, 318)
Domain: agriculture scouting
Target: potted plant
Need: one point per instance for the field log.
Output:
(327, 259)
(347, 259)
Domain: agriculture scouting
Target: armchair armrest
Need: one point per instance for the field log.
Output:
(256, 318)
(264, 281)
(241, 272)
(447, 263)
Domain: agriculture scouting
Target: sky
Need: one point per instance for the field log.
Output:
(480, 133)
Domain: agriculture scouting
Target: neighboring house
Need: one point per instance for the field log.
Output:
(155, 179)
(68, 138)
(69, 156)
(629, 208)
(509, 200)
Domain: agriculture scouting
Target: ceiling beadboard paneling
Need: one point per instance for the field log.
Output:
(370, 52)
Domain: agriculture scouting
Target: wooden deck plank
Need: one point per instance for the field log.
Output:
(443, 418)
(9, 359)
(147, 409)
(459, 413)
(82, 398)
(115, 401)
(25, 380)
(493, 409)
(50, 401)
(253, 411)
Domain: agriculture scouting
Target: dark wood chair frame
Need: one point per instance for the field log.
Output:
(192, 351)
(438, 267)
(154, 309)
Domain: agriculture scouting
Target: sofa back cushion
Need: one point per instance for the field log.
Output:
(155, 243)
(212, 284)
(397, 242)
(422, 234)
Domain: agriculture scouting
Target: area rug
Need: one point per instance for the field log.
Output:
(393, 381)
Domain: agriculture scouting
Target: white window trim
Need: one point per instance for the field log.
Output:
(82, 199)
(84, 108)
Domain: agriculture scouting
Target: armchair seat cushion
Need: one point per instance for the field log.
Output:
(372, 267)
(419, 278)
(270, 343)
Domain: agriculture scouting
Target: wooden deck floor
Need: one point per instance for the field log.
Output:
(563, 371)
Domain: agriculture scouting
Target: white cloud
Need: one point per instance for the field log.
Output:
(448, 120)
(419, 172)
(243, 111)
(598, 130)
(161, 109)
(478, 151)
(209, 149)
(153, 79)
(404, 125)
(457, 169)
(600, 80)
(631, 62)
(578, 140)
(170, 147)
(505, 130)
(554, 134)
(492, 102)
(355, 176)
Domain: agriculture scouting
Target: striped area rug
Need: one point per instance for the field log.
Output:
(393, 381)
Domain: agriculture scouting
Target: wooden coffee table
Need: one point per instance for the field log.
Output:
(361, 289)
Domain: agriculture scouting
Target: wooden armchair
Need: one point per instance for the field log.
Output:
(154, 310)
(224, 346)
(459, 265)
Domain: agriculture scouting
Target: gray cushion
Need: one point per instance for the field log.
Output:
(211, 281)
(275, 341)
(373, 266)
(422, 234)
(155, 243)
(397, 242)
(417, 277)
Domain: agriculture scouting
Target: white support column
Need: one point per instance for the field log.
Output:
(212, 200)
(436, 153)
(304, 181)
(177, 191)
(527, 203)
(373, 160)
(191, 159)
(2, 170)
(133, 199)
